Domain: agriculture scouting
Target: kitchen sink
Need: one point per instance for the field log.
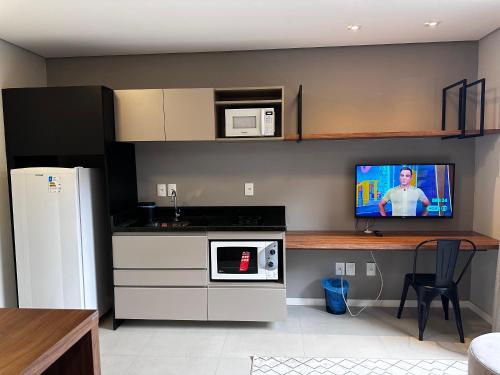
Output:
(169, 224)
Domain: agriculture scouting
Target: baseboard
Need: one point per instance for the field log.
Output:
(483, 314)
(385, 303)
(355, 302)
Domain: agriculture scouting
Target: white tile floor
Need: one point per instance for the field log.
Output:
(224, 348)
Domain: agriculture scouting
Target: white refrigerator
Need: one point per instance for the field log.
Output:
(63, 258)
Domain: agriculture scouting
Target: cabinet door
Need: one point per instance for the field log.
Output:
(189, 114)
(247, 304)
(139, 115)
(57, 120)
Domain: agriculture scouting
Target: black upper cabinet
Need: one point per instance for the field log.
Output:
(58, 120)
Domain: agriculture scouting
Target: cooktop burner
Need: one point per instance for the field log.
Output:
(249, 220)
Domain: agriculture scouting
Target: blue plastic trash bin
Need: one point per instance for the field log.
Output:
(335, 304)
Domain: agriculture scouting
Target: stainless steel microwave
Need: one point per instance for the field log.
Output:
(250, 122)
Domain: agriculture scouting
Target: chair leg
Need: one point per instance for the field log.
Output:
(445, 301)
(423, 314)
(458, 316)
(403, 297)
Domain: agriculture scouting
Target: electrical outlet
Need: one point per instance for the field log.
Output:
(339, 268)
(350, 269)
(249, 189)
(371, 270)
(171, 187)
(161, 190)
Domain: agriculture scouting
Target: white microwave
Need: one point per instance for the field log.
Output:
(250, 122)
(244, 260)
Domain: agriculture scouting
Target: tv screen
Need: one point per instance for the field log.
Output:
(404, 190)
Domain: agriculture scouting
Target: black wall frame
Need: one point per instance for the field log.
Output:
(462, 108)
(299, 114)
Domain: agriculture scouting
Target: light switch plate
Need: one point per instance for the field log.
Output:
(161, 190)
(248, 189)
(371, 270)
(350, 269)
(170, 188)
(339, 268)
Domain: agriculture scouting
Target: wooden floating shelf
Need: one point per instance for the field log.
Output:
(340, 240)
(385, 135)
(241, 139)
(239, 102)
(491, 131)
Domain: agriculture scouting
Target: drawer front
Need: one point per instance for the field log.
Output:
(161, 303)
(160, 277)
(160, 251)
(249, 304)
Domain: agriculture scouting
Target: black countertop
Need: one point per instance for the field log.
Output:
(201, 218)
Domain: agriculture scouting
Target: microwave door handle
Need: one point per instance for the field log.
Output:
(261, 259)
(262, 122)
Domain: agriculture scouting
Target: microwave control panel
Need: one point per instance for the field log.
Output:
(272, 256)
(268, 121)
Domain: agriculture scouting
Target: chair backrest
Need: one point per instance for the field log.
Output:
(446, 261)
(447, 252)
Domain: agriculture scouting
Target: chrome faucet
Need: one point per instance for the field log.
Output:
(177, 211)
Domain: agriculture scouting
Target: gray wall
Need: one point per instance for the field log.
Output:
(487, 182)
(391, 87)
(313, 179)
(18, 68)
(394, 87)
(306, 268)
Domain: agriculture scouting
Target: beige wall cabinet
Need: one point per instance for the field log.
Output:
(139, 115)
(189, 114)
(164, 115)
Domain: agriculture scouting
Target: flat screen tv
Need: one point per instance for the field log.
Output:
(404, 190)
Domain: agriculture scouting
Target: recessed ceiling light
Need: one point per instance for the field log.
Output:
(354, 27)
(432, 23)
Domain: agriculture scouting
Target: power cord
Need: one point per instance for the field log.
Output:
(369, 223)
(379, 293)
(368, 226)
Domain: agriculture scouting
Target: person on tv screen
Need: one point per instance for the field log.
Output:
(404, 197)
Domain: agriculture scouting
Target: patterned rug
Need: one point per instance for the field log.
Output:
(351, 366)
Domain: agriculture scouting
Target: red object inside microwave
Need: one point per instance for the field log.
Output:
(245, 260)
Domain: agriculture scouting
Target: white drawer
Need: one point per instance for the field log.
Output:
(182, 277)
(160, 251)
(161, 303)
(247, 304)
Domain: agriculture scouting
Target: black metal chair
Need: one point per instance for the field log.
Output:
(430, 285)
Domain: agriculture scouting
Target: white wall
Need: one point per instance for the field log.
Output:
(487, 182)
(18, 68)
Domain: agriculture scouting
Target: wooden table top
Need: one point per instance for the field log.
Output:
(344, 240)
(31, 339)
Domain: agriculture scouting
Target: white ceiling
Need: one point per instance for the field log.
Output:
(57, 28)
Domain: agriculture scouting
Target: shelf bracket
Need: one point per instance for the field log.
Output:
(461, 107)
(481, 82)
(299, 114)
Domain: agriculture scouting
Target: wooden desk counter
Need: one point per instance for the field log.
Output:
(332, 240)
(35, 341)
